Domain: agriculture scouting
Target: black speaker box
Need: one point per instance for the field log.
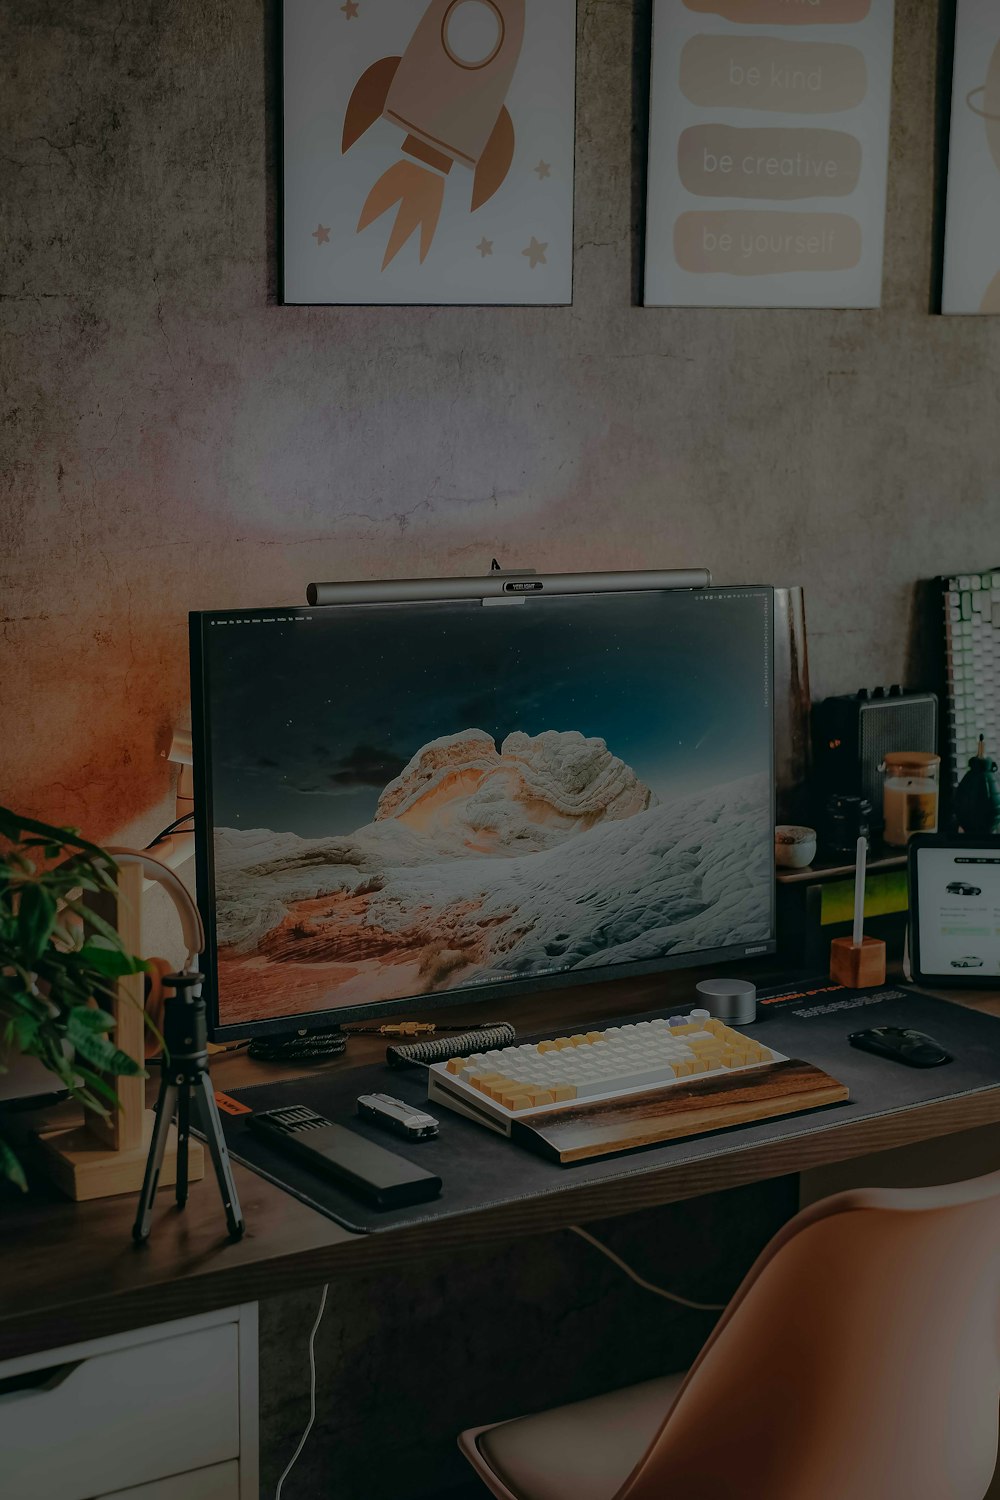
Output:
(852, 735)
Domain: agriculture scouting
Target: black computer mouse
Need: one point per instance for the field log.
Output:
(900, 1044)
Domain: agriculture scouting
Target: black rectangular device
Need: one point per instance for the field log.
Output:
(381, 1177)
(853, 733)
(452, 799)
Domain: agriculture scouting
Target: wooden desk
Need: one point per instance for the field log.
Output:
(70, 1270)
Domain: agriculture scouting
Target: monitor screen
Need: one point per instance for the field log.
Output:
(447, 800)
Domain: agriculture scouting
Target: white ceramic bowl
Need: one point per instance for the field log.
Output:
(794, 846)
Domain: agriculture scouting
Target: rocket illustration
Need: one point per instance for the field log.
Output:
(448, 93)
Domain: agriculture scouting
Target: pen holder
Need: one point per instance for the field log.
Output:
(860, 968)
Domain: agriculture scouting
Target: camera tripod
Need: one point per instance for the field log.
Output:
(184, 1081)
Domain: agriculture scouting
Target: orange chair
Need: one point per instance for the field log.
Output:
(859, 1360)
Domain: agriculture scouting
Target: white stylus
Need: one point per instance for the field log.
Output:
(859, 891)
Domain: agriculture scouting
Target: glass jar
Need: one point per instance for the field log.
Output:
(910, 794)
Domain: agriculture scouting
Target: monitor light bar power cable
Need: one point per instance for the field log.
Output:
(312, 1392)
(647, 1286)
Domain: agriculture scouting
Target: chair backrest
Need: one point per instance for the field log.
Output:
(860, 1358)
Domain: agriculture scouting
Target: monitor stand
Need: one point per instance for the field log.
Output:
(299, 1046)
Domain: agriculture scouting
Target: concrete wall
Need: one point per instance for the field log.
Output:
(171, 438)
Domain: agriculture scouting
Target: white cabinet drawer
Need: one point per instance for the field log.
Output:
(220, 1482)
(119, 1419)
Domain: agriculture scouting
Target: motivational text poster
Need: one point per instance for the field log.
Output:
(972, 240)
(768, 154)
(428, 151)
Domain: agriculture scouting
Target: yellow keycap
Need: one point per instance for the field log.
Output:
(595, 1036)
(579, 1040)
(542, 1097)
(548, 1046)
(562, 1092)
(563, 1042)
(456, 1064)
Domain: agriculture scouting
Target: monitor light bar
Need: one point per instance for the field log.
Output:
(501, 585)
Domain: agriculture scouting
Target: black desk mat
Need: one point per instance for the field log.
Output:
(480, 1169)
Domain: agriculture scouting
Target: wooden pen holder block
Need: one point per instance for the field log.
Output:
(859, 968)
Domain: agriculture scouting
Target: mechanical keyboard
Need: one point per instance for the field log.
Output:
(498, 1087)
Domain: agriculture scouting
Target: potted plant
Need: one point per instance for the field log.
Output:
(58, 960)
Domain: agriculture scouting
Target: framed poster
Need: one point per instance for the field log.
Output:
(768, 152)
(972, 234)
(428, 151)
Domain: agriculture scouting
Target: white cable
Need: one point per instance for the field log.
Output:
(312, 1393)
(647, 1286)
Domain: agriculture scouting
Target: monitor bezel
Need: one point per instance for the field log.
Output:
(479, 995)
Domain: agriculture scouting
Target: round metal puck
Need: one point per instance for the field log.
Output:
(731, 1000)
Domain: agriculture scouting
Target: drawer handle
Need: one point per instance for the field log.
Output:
(35, 1382)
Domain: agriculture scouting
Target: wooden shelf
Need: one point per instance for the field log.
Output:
(880, 862)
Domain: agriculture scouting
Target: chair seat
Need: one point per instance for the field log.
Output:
(584, 1451)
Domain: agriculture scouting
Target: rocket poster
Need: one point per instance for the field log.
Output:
(768, 152)
(972, 236)
(428, 151)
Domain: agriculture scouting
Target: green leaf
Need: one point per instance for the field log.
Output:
(97, 922)
(112, 962)
(36, 917)
(13, 825)
(10, 1167)
(88, 1100)
(48, 1051)
(21, 1031)
(88, 1018)
(21, 999)
(101, 1053)
(95, 1081)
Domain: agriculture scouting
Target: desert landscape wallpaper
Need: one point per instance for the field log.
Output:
(412, 800)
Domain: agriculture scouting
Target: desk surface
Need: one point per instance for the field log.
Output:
(71, 1271)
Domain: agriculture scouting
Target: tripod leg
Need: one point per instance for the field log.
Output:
(165, 1106)
(216, 1142)
(183, 1135)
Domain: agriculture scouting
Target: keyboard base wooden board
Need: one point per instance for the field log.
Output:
(581, 1132)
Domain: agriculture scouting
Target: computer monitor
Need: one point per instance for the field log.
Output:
(400, 806)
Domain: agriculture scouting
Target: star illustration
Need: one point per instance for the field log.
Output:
(350, 9)
(321, 234)
(536, 253)
(543, 169)
(485, 247)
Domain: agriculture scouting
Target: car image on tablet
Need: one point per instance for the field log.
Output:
(967, 963)
(959, 888)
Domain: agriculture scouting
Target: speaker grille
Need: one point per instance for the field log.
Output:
(893, 724)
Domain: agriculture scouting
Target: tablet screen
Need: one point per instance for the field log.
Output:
(958, 899)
